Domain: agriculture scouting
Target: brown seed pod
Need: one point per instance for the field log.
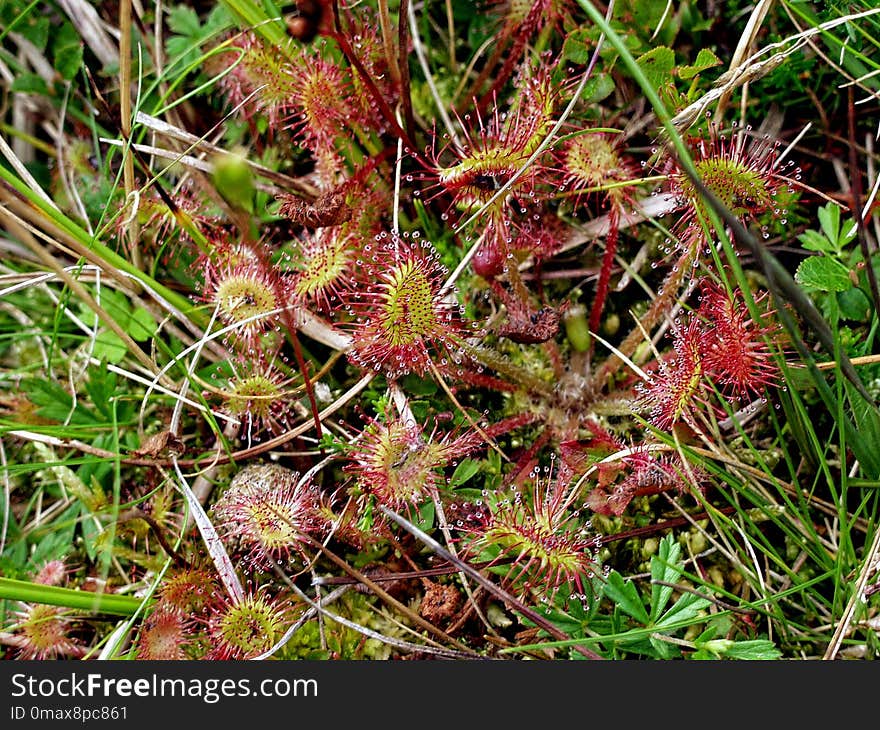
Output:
(329, 209)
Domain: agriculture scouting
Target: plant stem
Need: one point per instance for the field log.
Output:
(22, 590)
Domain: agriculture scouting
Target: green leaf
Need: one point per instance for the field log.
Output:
(68, 49)
(687, 607)
(705, 59)
(626, 596)
(110, 347)
(218, 20)
(56, 544)
(29, 83)
(665, 568)
(854, 304)
(37, 32)
(599, 87)
(183, 20)
(829, 219)
(815, 241)
(426, 517)
(753, 649)
(577, 47)
(91, 534)
(416, 386)
(657, 65)
(823, 273)
(466, 469)
(664, 649)
(55, 403)
(101, 387)
(141, 326)
(865, 442)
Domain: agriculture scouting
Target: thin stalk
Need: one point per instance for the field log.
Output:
(21, 590)
(388, 42)
(125, 122)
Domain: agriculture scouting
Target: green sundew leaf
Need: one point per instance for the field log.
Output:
(577, 47)
(29, 83)
(823, 273)
(665, 568)
(626, 596)
(688, 607)
(463, 473)
(657, 65)
(68, 49)
(705, 59)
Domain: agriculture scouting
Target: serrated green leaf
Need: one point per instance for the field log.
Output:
(754, 649)
(218, 19)
(55, 403)
(687, 607)
(626, 596)
(815, 241)
(705, 59)
(664, 649)
(657, 65)
(665, 568)
(577, 47)
(109, 347)
(184, 20)
(68, 61)
(101, 387)
(823, 273)
(829, 220)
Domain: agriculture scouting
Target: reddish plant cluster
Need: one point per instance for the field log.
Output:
(720, 345)
(507, 185)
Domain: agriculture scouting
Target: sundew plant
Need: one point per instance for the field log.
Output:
(439, 330)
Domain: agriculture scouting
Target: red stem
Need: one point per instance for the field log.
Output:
(605, 271)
